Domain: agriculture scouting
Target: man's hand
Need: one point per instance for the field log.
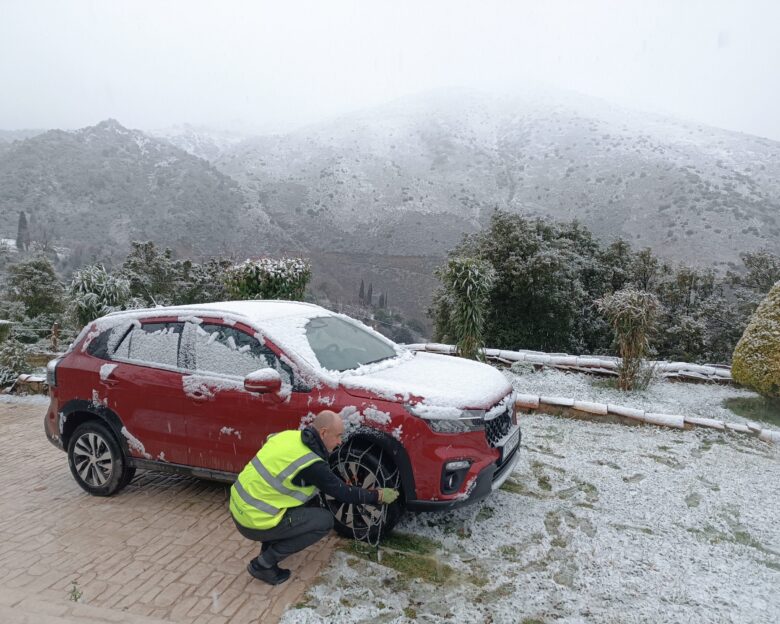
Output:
(388, 496)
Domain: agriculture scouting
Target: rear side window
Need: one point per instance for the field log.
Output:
(152, 343)
(99, 347)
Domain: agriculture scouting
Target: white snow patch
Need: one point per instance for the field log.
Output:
(202, 386)
(307, 420)
(36, 399)
(197, 387)
(352, 418)
(377, 416)
(134, 443)
(263, 374)
(432, 412)
(106, 370)
(442, 381)
(652, 518)
(230, 431)
(97, 401)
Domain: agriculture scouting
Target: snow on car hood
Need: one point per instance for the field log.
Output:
(441, 380)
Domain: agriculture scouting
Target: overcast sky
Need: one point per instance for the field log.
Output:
(271, 65)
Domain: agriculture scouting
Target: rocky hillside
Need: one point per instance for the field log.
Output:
(412, 177)
(103, 186)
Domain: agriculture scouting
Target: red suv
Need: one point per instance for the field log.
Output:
(198, 389)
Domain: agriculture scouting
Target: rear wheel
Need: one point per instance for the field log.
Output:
(127, 476)
(96, 459)
(364, 465)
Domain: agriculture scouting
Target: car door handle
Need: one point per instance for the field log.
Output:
(109, 382)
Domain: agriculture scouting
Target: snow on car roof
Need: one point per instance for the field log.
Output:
(256, 310)
(284, 322)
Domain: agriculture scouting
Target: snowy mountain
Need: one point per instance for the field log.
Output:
(201, 141)
(411, 177)
(382, 194)
(100, 187)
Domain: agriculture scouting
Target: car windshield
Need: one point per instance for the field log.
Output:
(340, 345)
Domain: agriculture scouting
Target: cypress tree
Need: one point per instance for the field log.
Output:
(22, 233)
(361, 293)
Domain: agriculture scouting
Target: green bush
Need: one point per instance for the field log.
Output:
(95, 292)
(13, 361)
(756, 361)
(269, 278)
(467, 283)
(631, 314)
(34, 283)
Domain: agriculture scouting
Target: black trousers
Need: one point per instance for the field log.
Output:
(300, 527)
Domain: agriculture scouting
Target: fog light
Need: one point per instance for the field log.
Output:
(457, 465)
(453, 474)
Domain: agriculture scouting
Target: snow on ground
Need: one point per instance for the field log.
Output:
(27, 399)
(669, 397)
(599, 523)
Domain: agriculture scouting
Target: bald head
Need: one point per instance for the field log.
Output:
(330, 426)
(326, 418)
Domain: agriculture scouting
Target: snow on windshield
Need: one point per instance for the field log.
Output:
(332, 344)
(340, 345)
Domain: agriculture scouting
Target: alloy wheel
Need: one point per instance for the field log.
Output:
(92, 459)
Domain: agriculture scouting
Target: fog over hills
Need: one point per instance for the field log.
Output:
(383, 194)
(411, 177)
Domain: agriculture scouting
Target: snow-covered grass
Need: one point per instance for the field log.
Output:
(599, 523)
(662, 396)
(27, 399)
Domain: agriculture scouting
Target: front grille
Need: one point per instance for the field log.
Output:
(498, 427)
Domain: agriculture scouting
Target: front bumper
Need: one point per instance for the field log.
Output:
(490, 478)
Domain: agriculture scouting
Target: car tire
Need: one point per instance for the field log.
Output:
(127, 476)
(96, 460)
(364, 465)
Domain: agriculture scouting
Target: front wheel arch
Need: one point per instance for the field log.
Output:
(78, 411)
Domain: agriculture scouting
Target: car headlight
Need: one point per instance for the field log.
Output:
(448, 419)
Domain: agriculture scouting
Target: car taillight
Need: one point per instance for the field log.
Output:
(51, 372)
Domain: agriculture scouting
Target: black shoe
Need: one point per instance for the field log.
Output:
(273, 575)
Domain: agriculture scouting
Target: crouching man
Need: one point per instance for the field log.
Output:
(267, 500)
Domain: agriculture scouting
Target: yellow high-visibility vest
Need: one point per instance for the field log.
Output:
(264, 489)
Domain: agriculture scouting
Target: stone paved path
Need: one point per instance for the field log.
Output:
(164, 548)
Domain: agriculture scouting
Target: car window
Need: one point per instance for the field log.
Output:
(340, 345)
(229, 351)
(152, 343)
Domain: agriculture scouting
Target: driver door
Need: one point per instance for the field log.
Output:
(226, 424)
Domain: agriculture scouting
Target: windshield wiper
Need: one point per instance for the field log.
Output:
(382, 359)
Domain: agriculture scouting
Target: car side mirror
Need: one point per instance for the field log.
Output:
(263, 381)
